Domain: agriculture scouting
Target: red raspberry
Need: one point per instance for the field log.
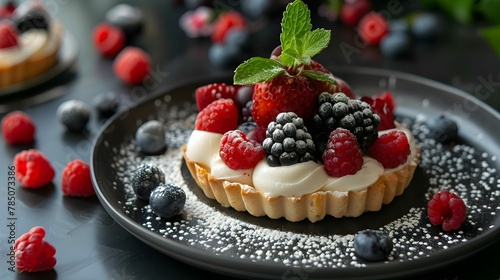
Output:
(108, 40)
(206, 94)
(132, 65)
(76, 180)
(390, 149)
(8, 35)
(342, 155)
(18, 128)
(226, 21)
(32, 253)
(239, 152)
(219, 116)
(372, 28)
(446, 209)
(352, 11)
(383, 105)
(33, 169)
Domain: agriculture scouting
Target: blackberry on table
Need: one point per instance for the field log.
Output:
(338, 110)
(288, 141)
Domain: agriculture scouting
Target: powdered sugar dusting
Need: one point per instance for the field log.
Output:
(462, 169)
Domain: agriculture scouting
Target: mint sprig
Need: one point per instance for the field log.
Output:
(299, 43)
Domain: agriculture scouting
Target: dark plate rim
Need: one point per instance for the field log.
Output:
(209, 261)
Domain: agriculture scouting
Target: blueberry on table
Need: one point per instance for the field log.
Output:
(167, 200)
(426, 26)
(74, 114)
(396, 44)
(126, 17)
(150, 137)
(372, 245)
(145, 179)
(225, 55)
(442, 129)
(107, 103)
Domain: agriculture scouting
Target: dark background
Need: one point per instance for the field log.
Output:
(90, 244)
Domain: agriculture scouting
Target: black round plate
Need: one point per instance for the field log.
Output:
(236, 243)
(67, 57)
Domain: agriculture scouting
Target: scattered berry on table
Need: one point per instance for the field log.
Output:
(391, 149)
(225, 55)
(443, 129)
(372, 245)
(342, 155)
(8, 35)
(338, 110)
(33, 169)
(167, 200)
(372, 28)
(18, 128)
(146, 178)
(255, 9)
(224, 22)
(150, 137)
(446, 209)
(399, 25)
(74, 114)
(32, 253)
(288, 141)
(76, 179)
(31, 16)
(128, 18)
(107, 104)
(108, 40)
(396, 45)
(239, 152)
(351, 12)
(206, 94)
(238, 37)
(198, 22)
(219, 116)
(132, 65)
(426, 26)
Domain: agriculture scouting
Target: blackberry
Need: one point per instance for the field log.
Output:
(288, 141)
(246, 112)
(338, 110)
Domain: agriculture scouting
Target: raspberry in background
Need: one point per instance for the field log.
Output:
(372, 28)
(32, 253)
(352, 11)
(8, 35)
(33, 169)
(18, 128)
(76, 179)
(224, 22)
(108, 39)
(132, 65)
(446, 209)
(219, 116)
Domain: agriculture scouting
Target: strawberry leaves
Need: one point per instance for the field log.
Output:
(299, 44)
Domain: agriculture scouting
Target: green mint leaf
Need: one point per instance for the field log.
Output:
(461, 10)
(489, 9)
(492, 35)
(320, 76)
(315, 41)
(256, 70)
(295, 24)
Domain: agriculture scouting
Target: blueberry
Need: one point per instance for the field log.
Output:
(238, 37)
(28, 16)
(167, 200)
(426, 26)
(107, 103)
(145, 179)
(396, 45)
(74, 114)
(126, 17)
(372, 245)
(399, 25)
(247, 127)
(150, 137)
(443, 129)
(222, 55)
(255, 9)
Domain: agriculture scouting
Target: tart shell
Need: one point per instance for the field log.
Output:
(313, 206)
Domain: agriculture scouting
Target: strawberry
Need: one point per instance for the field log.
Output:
(284, 93)
(287, 81)
(206, 94)
(322, 86)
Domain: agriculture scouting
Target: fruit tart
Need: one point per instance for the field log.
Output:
(300, 145)
(30, 40)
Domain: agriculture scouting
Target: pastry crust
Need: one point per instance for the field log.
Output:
(314, 206)
(37, 63)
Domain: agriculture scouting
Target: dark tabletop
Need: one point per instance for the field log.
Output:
(89, 243)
